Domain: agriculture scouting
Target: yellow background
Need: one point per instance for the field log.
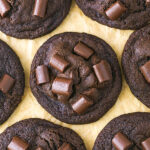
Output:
(76, 21)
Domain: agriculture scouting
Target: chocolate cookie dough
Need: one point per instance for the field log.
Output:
(37, 134)
(76, 77)
(136, 64)
(12, 81)
(130, 131)
(122, 14)
(28, 19)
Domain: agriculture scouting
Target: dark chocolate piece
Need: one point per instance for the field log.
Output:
(17, 144)
(40, 8)
(65, 146)
(145, 69)
(121, 142)
(6, 83)
(4, 7)
(103, 71)
(83, 50)
(146, 144)
(82, 104)
(62, 86)
(58, 63)
(42, 74)
(115, 11)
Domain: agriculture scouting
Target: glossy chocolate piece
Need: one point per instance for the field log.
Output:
(82, 104)
(62, 86)
(17, 144)
(146, 144)
(148, 2)
(4, 7)
(83, 50)
(145, 69)
(40, 8)
(120, 142)
(42, 74)
(103, 71)
(115, 10)
(59, 63)
(6, 83)
(65, 146)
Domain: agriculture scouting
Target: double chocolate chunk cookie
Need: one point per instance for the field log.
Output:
(136, 64)
(76, 77)
(31, 18)
(37, 134)
(12, 81)
(127, 132)
(122, 14)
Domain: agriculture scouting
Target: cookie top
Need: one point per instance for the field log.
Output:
(122, 14)
(135, 127)
(12, 81)
(82, 80)
(136, 55)
(35, 133)
(28, 19)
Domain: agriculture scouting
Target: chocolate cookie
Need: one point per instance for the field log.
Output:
(31, 18)
(76, 77)
(130, 131)
(12, 81)
(122, 14)
(37, 134)
(135, 63)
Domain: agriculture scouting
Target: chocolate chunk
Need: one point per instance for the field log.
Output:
(42, 74)
(40, 8)
(82, 104)
(121, 142)
(148, 2)
(115, 11)
(39, 148)
(65, 146)
(6, 83)
(103, 71)
(146, 144)
(58, 63)
(62, 86)
(17, 144)
(145, 69)
(4, 7)
(83, 50)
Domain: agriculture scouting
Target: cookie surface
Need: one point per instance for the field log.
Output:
(20, 22)
(135, 16)
(136, 54)
(10, 64)
(134, 126)
(41, 133)
(85, 82)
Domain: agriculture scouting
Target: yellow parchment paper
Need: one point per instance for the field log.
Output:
(76, 21)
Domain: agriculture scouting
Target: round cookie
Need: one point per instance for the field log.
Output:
(122, 14)
(89, 99)
(135, 127)
(12, 81)
(25, 20)
(41, 133)
(136, 54)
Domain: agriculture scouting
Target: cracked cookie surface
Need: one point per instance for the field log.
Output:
(134, 126)
(11, 65)
(41, 133)
(81, 71)
(20, 23)
(136, 14)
